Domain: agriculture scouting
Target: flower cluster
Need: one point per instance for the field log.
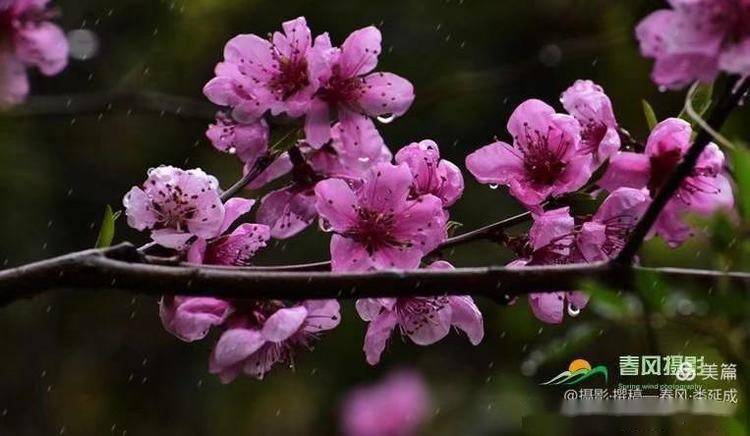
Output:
(27, 39)
(556, 154)
(391, 212)
(552, 154)
(696, 39)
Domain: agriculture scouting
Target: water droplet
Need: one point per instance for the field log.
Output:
(387, 118)
(232, 150)
(325, 226)
(573, 310)
(494, 186)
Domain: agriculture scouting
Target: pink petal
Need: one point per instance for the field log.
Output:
(548, 307)
(287, 212)
(318, 123)
(670, 135)
(233, 209)
(388, 257)
(284, 323)
(322, 315)
(590, 241)
(497, 163)
(197, 251)
(138, 209)
(736, 58)
(349, 255)
(235, 345)
(378, 332)
(296, 39)
(467, 317)
(531, 115)
(626, 169)
(336, 204)
(369, 308)
(550, 227)
(190, 318)
(422, 222)
(386, 187)
(171, 238)
(386, 94)
(43, 45)
(238, 247)
(359, 52)
(428, 325)
(281, 166)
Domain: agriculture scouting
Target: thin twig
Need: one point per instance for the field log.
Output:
(719, 115)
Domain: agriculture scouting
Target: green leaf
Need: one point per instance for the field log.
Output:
(648, 111)
(742, 177)
(700, 98)
(107, 229)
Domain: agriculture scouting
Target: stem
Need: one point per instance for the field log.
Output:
(719, 115)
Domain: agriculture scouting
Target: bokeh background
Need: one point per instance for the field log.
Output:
(100, 362)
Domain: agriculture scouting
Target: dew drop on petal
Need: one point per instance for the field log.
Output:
(573, 310)
(494, 186)
(387, 118)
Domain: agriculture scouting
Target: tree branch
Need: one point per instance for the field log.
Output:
(731, 98)
(98, 103)
(123, 267)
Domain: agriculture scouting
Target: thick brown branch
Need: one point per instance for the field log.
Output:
(721, 111)
(122, 267)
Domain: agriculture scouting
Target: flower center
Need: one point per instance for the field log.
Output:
(374, 229)
(291, 77)
(341, 90)
(543, 154)
(174, 206)
(418, 312)
(592, 135)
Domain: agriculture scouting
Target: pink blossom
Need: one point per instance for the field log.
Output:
(432, 175)
(27, 39)
(696, 39)
(259, 75)
(605, 234)
(249, 141)
(396, 406)
(189, 318)
(376, 225)
(176, 205)
(588, 103)
(544, 161)
(350, 154)
(349, 87)
(552, 238)
(425, 320)
(706, 190)
(260, 334)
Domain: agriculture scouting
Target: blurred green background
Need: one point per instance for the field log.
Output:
(100, 363)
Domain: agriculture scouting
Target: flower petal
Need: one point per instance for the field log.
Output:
(284, 323)
(378, 332)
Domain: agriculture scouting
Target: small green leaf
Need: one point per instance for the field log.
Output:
(742, 177)
(107, 230)
(700, 98)
(648, 111)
